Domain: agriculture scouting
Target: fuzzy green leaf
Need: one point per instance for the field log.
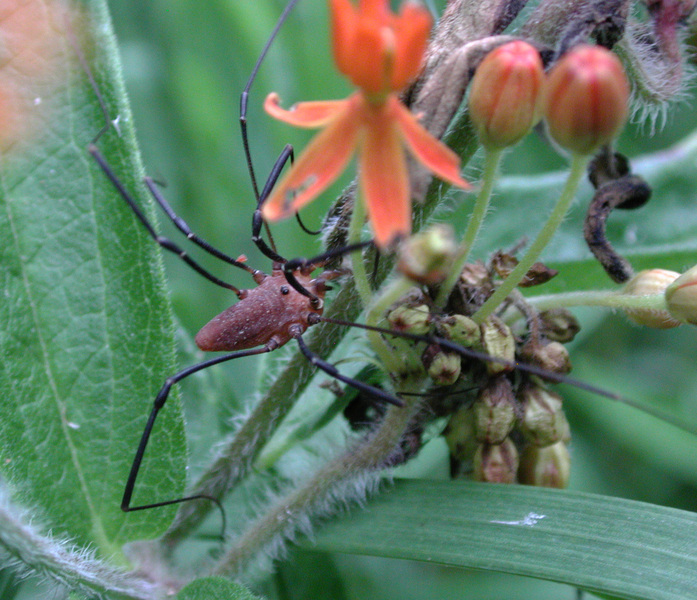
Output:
(86, 328)
(215, 588)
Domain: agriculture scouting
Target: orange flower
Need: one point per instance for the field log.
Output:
(381, 53)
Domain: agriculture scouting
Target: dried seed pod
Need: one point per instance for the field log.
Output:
(648, 283)
(498, 341)
(442, 367)
(475, 275)
(543, 421)
(559, 325)
(496, 463)
(410, 319)
(494, 411)
(460, 329)
(545, 467)
(551, 356)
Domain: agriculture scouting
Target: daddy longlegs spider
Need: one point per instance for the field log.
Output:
(281, 307)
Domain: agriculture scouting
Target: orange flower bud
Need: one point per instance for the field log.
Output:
(681, 297)
(505, 99)
(586, 99)
(650, 283)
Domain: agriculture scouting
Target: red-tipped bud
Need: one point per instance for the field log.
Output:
(505, 99)
(681, 297)
(586, 99)
(650, 283)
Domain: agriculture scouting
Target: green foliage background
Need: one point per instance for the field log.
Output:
(184, 66)
(184, 69)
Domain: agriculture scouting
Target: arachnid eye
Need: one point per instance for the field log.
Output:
(284, 290)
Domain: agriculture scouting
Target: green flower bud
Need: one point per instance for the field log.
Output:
(651, 283)
(543, 421)
(494, 411)
(586, 100)
(442, 367)
(545, 467)
(426, 257)
(505, 99)
(460, 329)
(459, 434)
(498, 341)
(410, 319)
(496, 463)
(681, 297)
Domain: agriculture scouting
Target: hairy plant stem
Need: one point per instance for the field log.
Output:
(360, 276)
(609, 298)
(321, 492)
(492, 159)
(376, 307)
(578, 168)
(22, 545)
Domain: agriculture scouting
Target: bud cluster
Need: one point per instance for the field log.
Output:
(584, 98)
(503, 426)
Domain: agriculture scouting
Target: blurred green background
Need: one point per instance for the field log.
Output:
(185, 64)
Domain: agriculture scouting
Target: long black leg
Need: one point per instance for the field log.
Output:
(304, 264)
(257, 220)
(287, 152)
(471, 353)
(182, 226)
(157, 406)
(162, 241)
(244, 97)
(330, 369)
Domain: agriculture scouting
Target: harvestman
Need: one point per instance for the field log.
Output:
(282, 305)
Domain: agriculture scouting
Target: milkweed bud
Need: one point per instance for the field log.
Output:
(552, 356)
(543, 421)
(460, 436)
(494, 411)
(505, 99)
(426, 257)
(559, 325)
(496, 463)
(461, 330)
(586, 99)
(410, 319)
(650, 283)
(681, 297)
(498, 341)
(545, 467)
(443, 367)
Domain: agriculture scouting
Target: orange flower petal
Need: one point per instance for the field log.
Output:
(322, 161)
(384, 179)
(304, 114)
(412, 29)
(344, 19)
(429, 151)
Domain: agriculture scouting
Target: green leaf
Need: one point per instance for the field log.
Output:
(215, 588)
(608, 545)
(86, 326)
